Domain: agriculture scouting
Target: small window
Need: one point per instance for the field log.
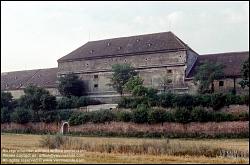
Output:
(169, 71)
(221, 83)
(109, 44)
(95, 85)
(149, 44)
(137, 40)
(146, 59)
(95, 76)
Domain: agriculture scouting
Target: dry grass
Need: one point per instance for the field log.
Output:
(22, 142)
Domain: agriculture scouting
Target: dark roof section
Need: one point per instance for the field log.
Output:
(21, 79)
(165, 41)
(231, 60)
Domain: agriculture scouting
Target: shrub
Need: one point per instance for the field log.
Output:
(50, 116)
(156, 116)
(132, 102)
(220, 116)
(217, 101)
(5, 115)
(245, 99)
(182, 115)
(102, 116)
(64, 103)
(64, 114)
(48, 102)
(184, 101)
(53, 141)
(21, 115)
(139, 90)
(169, 117)
(79, 118)
(124, 116)
(82, 101)
(140, 114)
(232, 99)
(198, 114)
(6, 99)
(152, 97)
(166, 100)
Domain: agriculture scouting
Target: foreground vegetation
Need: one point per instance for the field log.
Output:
(131, 150)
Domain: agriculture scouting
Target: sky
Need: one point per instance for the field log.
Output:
(34, 35)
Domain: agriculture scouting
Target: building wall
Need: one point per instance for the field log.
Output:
(228, 85)
(19, 92)
(96, 73)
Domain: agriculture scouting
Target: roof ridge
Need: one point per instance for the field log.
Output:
(130, 36)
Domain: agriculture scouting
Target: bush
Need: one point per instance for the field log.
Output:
(166, 100)
(220, 116)
(232, 99)
(139, 91)
(140, 114)
(169, 117)
(182, 115)
(124, 116)
(184, 101)
(245, 99)
(198, 114)
(156, 116)
(6, 99)
(79, 118)
(152, 97)
(48, 102)
(53, 141)
(82, 101)
(132, 102)
(217, 101)
(64, 114)
(21, 115)
(102, 116)
(64, 103)
(5, 115)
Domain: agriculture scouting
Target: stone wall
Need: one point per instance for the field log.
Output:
(96, 73)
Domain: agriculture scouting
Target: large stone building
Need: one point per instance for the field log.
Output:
(154, 56)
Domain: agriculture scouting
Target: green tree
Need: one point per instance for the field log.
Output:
(6, 99)
(5, 115)
(133, 82)
(71, 85)
(206, 74)
(245, 74)
(21, 115)
(121, 75)
(157, 116)
(37, 98)
(140, 114)
(48, 102)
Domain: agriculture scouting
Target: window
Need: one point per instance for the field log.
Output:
(221, 83)
(95, 85)
(95, 76)
(169, 71)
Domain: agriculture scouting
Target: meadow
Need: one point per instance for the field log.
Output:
(14, 147)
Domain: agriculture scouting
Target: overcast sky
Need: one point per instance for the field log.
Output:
(36, 34)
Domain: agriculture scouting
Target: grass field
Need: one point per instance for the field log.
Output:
(16, 146)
